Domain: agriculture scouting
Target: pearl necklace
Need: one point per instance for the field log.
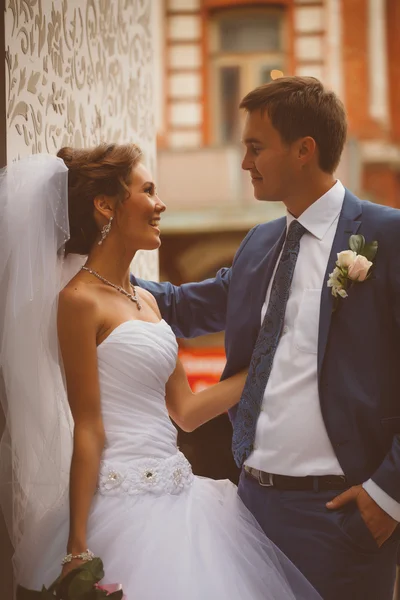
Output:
(133, 297)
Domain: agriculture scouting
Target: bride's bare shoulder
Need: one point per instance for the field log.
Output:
(77, 299)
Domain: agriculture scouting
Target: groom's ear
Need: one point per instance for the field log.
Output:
(306, 150)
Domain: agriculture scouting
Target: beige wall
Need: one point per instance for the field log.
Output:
(76, 72)
(79, 72)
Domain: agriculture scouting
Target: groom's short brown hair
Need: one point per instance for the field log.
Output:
(300, 107)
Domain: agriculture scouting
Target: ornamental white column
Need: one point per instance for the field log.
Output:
(79, 73)
(377, 61)
(334, 59)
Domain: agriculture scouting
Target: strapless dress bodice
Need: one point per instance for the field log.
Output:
(135, 362)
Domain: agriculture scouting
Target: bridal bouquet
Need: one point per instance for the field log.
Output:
(81, 583)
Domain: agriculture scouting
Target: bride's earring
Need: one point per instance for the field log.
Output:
(105, 231)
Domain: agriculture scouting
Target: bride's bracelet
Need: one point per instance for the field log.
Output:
(87, 556)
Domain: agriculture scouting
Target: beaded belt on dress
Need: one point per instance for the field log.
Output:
(156, 476)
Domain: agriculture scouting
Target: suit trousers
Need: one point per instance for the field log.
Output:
(333, 549)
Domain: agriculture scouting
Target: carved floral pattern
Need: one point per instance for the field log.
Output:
(79, 72)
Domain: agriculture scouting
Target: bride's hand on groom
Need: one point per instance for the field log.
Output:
(380, 524)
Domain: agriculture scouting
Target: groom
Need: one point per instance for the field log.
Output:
(317, 431)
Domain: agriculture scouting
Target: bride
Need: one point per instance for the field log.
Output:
(89, 454)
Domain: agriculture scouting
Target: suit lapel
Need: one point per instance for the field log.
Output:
(260, 279)
(349, 222)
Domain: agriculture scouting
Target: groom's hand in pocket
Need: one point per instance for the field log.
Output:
(380, 524)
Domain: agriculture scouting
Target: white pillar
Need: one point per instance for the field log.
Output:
(377, 61)
(80, 73)
(334, 61)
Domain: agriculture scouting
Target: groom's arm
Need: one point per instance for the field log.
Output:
(378, 499)
(383, 499)
(384, 485)
(192, 309)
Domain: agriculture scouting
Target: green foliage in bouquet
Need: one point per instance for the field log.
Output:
(78, 584)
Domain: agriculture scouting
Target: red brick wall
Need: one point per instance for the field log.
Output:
(355, 61)
(383, 184)
(393, 37)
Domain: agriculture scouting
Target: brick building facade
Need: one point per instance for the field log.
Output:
(212, 52)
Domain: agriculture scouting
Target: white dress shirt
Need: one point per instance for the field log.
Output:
(291, 437)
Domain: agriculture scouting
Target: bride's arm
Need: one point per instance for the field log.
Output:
(77, 328)
(189, 410)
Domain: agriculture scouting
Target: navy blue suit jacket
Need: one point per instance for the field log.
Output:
(358, 347)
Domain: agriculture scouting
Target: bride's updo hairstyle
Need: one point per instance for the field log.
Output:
(106, 169)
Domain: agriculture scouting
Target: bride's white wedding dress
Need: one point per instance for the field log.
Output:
(160, 531)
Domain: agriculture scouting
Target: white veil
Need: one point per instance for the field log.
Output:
(36, 446)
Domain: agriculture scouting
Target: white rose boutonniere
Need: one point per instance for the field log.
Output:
(352, 266)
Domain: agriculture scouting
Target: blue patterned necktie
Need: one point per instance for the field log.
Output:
(244, 428)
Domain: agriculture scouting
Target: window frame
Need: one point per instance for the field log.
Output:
(248, 62)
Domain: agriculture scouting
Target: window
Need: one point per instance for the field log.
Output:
(251, 33)
(246, 46)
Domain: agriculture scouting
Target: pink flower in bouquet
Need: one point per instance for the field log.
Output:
(358, 270)
(110, 588)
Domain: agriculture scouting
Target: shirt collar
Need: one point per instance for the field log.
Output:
(319, 217)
